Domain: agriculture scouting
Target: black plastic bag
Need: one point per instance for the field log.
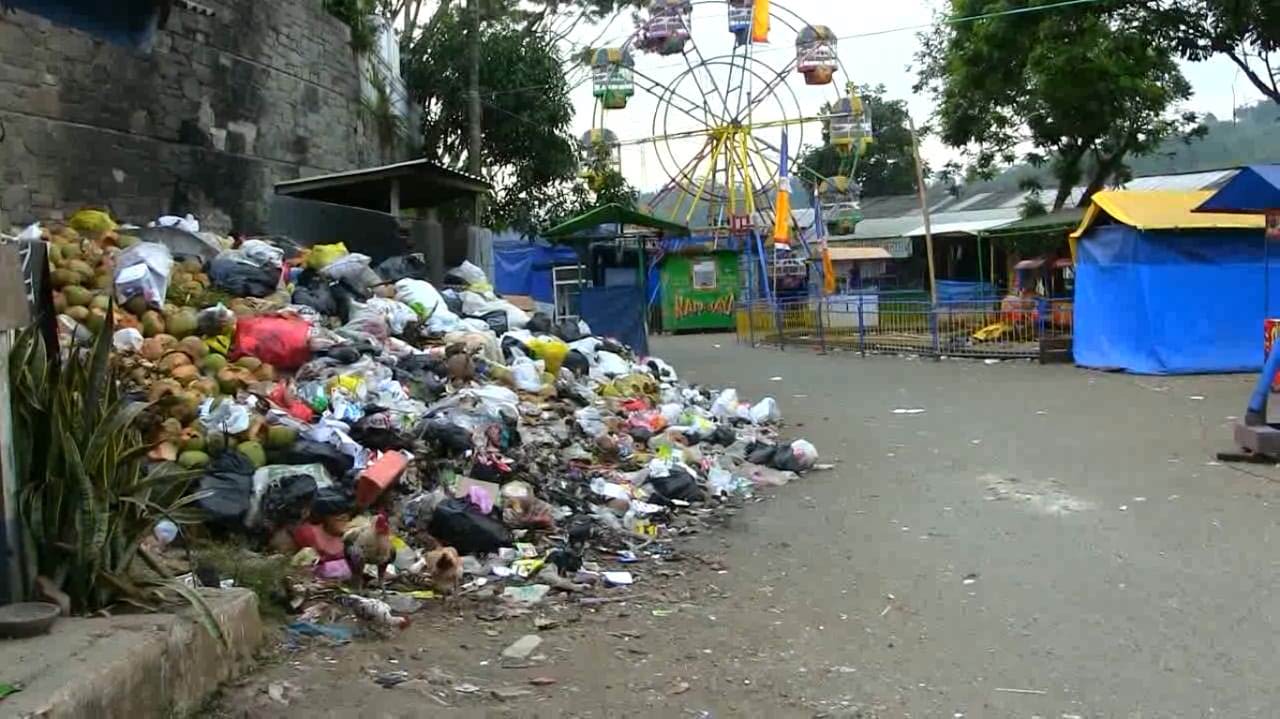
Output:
(304, 451)
(450, 438)
(313, 291)
(289, 501)
(497, 321)
(723, 436)
(539, 324)
(242, 279)
(394, 269)
(380, 431)
(577, 363)
(760, 453)
(678, 484)
(228, 488)
(458, 525)
(452, 300)
(568, 331)
(511, 343)
(337, 498)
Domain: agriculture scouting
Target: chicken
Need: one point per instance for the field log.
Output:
(370, 545)
(445, 568)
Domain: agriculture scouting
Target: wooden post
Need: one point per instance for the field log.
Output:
(924, 210)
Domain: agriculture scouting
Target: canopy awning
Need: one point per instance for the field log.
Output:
(845, 254)
(1162, 210)
(968, 227)
(594, 224)
(387, 188)
(1253, 191)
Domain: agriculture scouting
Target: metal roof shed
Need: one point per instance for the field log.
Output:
(387, 188)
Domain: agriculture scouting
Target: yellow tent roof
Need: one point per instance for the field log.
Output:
(1162, 210)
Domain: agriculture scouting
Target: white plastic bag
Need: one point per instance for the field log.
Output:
(473, 276)
(421, 296)
(526, 374)
(591, 422)
(127, 340)
(262, 253)
(805, 453)
(143, 270)
(610, 365)
(766, 410)
(186, 224)
(726, 404)
(398, 314)
(355, 270)
(223, 415)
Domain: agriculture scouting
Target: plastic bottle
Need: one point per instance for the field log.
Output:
(374, 610)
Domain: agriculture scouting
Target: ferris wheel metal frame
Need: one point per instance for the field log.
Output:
(735, 165)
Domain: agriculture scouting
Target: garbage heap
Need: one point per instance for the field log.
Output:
(386, 432)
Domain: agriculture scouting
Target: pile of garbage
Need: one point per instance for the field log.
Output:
(381, 430)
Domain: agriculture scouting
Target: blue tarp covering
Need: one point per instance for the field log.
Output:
(1165, 302)
(1254, 190)
(524, 268)
(617, 312)
(954, 290)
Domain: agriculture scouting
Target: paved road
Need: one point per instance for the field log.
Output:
(1040, 541)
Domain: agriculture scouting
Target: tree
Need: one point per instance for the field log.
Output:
(527, 148)
(1245, 31)
(1082, 88)
(887, 166)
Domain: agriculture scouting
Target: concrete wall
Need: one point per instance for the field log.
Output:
(225, 105)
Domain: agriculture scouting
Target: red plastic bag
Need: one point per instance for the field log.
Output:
(286, 400)
(279, 341)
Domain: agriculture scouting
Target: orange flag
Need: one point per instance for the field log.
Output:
(760, 22)
(782, 205)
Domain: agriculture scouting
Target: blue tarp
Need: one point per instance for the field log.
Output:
(1253, 190)
(1167, 302)
(617, 312)
(955, 290)
(524, 268)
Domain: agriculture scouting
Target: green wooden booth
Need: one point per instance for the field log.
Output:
(699, 290)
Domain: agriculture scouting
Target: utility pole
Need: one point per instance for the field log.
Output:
(924, 210)
(474, 164)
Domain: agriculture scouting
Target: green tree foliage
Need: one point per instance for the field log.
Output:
(527, 149)
(887, 167)
(1085, 89)
(1246, 31)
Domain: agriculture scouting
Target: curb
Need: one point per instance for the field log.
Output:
(130, 667)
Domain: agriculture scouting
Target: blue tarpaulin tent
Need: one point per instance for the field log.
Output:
(524, 267)
(1253, 191)
(1161, 289)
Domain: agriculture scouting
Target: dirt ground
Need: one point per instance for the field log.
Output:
(1038, 542)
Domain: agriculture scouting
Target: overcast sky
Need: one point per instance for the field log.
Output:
(880, 52)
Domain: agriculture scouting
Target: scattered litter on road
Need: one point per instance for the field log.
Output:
(1196, 397)
(523, 647)
(911, 410)
(1037, 692)
(970, 579)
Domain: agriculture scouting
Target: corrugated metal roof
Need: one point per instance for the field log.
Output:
(845, 254)
(962, 227)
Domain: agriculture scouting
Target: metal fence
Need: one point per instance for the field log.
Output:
(908, 323)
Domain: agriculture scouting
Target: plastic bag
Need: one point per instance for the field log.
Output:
(226, 490)
(262, 253)
(577, 363)
(143, 271)
(127, 340)
(224, 415)
(497, 322)
(609, 364)
(353, 269)
(678, 483)
(766, 410)
(215, 321)
(726, 404)
(305, 451)
(539, 323)
(233, 272)
(455, 524)
(312, 291)
(475, 304)
(420, 295)
(284, 500)
(550, 350)
(186, 224)
(281, 342)
(394, 269)
(89, 220)
(590, 421)
(568, 331)
(321, 256)
(473, 277)
(366, 323)
(526, 375)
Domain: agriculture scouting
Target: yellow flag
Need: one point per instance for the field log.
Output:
(760, 22)
(828, 272)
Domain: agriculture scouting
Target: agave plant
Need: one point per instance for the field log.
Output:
(86, 500)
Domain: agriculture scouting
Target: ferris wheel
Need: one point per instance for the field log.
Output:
(732, 123)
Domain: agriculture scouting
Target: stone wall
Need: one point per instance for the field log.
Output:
(235, 96)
